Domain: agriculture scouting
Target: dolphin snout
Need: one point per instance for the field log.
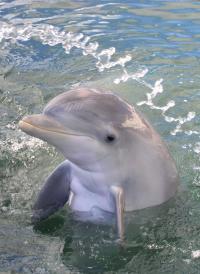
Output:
(39, 122)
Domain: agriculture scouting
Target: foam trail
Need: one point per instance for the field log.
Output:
(181, 120)
(156, 89)
(135, 76)
(52, 36)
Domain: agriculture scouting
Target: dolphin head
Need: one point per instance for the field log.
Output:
(101, 133)
(87, 126)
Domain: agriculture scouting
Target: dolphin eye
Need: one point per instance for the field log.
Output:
(110, 138)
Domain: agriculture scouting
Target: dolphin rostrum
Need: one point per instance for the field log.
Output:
(115, 160)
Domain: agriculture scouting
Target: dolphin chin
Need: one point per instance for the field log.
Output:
(68, 141)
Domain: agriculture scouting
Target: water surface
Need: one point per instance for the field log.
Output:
(147, 52)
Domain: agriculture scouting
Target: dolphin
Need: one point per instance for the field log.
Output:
(115, 160)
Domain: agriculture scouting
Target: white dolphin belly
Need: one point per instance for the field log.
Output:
(84, 200)
(95, 206)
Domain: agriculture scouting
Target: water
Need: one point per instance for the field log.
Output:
(147, 52)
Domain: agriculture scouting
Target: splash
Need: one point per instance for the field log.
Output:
(135, 76)
(51, 35)
(182, 120)
(156, 89)
(195, 254)
(24, 143)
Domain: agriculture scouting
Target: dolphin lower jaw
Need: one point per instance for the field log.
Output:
(52, 136)
(49, 130)
(72, 144)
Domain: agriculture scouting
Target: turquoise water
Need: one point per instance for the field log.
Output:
(148, 52)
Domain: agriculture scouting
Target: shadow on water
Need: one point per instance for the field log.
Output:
(154, 240)
(87, 247)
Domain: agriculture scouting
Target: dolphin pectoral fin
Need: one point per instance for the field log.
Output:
(54, 194)
(118, 194)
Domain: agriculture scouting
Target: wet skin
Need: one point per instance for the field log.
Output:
(115, 160)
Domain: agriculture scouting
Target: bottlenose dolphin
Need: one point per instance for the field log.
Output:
(115, 160)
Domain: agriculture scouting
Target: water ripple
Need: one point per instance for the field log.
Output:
(50, 35)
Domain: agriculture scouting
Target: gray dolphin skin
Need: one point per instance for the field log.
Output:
(115, 160)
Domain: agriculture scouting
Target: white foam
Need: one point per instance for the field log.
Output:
(195, 254)
(191, 132)
(135, 76)
(182, 120)
(11, 126)
(156, 89)
(52, 36)
(196, 168)
(196, 148)
(15, 145)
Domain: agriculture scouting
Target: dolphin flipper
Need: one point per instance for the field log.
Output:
(54, 194)
(118, 195)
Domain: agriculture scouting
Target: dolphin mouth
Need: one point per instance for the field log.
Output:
(34, 124)
(26, 127)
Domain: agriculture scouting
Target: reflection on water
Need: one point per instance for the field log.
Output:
(148, 53)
